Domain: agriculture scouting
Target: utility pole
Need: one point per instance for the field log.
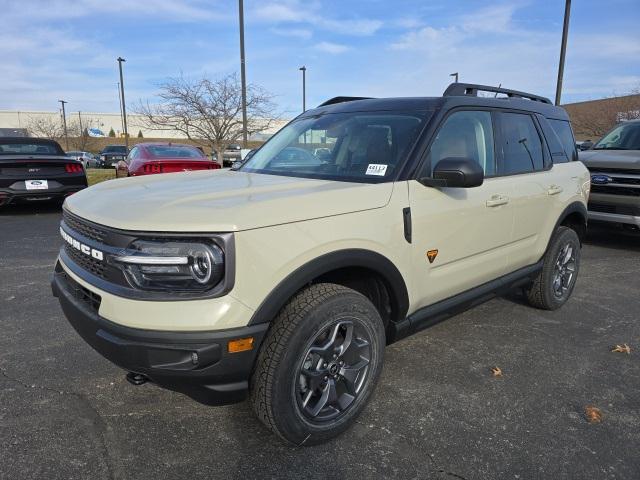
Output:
(124, 109)
(120, 105)
(303, 69)
(80, 122)
(563, 49)
(64, 122)
(243, 78)
(454, 75)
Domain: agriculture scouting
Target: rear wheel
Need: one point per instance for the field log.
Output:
(319, 364)
(555, 282)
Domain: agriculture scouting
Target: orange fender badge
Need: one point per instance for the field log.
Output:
(431, 255)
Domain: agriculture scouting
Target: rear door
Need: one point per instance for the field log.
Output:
(524, 161)
(459, 235)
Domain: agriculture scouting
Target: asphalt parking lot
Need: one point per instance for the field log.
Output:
(65, 412)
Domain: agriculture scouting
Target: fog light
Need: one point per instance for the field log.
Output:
(241, 345)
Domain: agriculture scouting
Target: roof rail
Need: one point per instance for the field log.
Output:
(334, 100)
(471, 89)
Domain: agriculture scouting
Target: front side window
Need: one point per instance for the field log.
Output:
(464, 134)
(622, 137)
(520, 146)
(354, 146)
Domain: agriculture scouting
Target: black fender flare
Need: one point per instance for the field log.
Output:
(575, 207)
(340, 259)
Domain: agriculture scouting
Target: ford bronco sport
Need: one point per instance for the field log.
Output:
(283, 279)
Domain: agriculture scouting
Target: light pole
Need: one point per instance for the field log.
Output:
(120, 105)
(303, 69)
(64, 122)
(454, 75)
(243, 78)
(124, 109)
(563, 49)
(80, 122)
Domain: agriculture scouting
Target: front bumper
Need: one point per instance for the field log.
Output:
(196, 364)
(614, 208)
(614, 218)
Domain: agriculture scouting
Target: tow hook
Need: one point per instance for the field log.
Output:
(136, 378)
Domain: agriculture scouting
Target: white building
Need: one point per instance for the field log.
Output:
(18, 120)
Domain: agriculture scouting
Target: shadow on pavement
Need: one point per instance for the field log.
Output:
(613, 236)
(30, 208)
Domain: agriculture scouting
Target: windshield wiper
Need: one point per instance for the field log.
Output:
(611, 148)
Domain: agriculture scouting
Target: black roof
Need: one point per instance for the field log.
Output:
(455, 96)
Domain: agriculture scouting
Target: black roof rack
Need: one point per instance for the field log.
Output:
(459, 89)
(334, 100)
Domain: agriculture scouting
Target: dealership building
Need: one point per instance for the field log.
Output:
(17, 123)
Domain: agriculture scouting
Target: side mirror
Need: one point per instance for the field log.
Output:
(237, 164)
(458, 173)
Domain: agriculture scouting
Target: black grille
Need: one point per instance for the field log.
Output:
(84, 228)
(85, 261)
(617, 209)
(628, 191)
(92, 300)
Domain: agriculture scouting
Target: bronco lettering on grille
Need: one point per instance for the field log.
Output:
(87, 250)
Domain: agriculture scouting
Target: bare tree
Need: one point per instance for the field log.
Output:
(49, 126)
(208, 111)
(79, 136)
(594, 118)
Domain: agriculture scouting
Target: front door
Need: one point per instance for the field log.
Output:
(460, 235)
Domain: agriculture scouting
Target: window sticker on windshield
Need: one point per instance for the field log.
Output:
(376, 169)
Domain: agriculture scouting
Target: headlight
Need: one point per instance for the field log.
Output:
(173, 265)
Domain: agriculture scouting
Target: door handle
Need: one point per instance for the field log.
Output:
(554, 190)
(497, 200)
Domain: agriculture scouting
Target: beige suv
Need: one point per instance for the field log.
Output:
(283, 279)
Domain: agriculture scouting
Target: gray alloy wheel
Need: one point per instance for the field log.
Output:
(554, 284)
(564, 271)
(333, 371)
(318, 365)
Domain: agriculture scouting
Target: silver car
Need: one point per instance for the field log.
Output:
(88, 159)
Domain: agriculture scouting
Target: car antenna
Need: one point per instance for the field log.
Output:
(496, 95)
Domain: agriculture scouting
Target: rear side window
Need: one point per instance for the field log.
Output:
(520, 144)
(564, 133)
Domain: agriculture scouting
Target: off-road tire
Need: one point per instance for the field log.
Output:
(541, 293)
(276, 376)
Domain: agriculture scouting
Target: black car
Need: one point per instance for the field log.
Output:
(112, 154)
(36, 169)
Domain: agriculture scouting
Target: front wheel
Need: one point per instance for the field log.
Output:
(319, 364)
(555, 282)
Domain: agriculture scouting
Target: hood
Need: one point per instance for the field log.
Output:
(220, 201)
(624, 159)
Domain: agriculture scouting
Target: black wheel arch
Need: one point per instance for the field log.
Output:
(575, 217)
(342, 267)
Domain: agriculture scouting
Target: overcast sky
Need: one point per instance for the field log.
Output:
(67, 49)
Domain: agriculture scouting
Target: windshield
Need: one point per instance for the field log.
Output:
(30, 148)
(175, 151)
(115, 149)
(355, 146)
(622, 137)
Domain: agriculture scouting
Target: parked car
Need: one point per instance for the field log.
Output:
(112, 154)
(37, 169)
(88, 159)
(584, 145)
(231, 154)
(614, 164)
(283, 280)
(151, 158)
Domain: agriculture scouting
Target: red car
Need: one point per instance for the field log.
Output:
(150, 158)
